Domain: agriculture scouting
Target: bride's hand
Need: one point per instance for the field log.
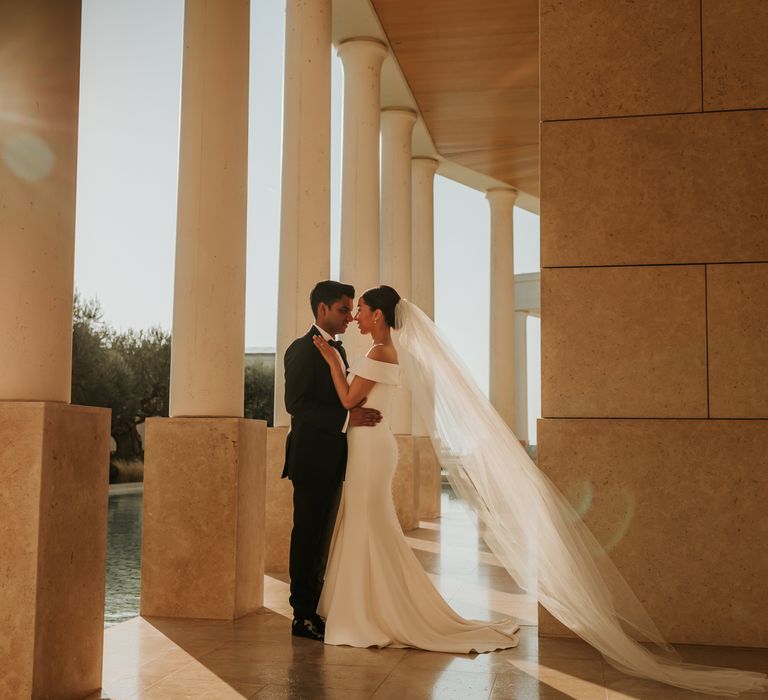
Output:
(328, 353)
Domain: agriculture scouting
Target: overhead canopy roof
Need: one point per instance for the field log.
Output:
(473, 68)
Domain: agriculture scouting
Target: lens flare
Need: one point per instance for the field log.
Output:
(28, 156)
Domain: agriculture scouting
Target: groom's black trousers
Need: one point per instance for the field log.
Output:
(314, 517)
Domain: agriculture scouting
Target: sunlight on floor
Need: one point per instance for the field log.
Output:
(256, 657)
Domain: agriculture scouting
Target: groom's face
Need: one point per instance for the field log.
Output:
(337, 316)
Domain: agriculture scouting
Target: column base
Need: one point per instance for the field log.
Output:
(405, 485)
(203, 525)
(279, 505)
(54, 466)
(430, 479)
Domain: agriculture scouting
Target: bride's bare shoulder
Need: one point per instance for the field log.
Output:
(383, 353)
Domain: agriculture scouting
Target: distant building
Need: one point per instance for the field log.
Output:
(260, 356)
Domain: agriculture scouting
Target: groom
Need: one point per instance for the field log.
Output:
(316, 450)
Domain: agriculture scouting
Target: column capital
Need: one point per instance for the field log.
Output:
(429, 165)
(405, 113)
(396, 126)
(506, 195)
(362, 46)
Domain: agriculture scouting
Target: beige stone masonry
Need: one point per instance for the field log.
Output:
(54, 467)
(203, 528)
(639, 190)
(735, 54)
(279, 504)
(405, 485)
(624, 342)
(680, 507)
(429, 478)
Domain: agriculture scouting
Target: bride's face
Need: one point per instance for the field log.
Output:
(364, 317)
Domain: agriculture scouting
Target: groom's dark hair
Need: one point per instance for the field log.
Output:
(328, 292)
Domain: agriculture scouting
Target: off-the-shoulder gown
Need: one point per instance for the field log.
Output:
(376, 592)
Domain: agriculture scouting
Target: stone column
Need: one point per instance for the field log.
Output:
(521, 376)
(423, 236)
(54, 457)
(423, 295)
(502, 364)
(362, 60)
(306, 173)
(395, 270)
(396, 252)
(202, 549)
(207, 353)
(38, 171)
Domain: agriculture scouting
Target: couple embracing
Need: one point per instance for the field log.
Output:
(354, 579)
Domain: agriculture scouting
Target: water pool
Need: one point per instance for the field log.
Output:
(123, 558)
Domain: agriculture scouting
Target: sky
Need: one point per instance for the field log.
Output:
(127, 179)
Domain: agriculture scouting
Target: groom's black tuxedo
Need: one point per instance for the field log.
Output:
(315, 461)
(316, 449)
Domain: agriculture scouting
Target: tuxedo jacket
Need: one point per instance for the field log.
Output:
(316, 447)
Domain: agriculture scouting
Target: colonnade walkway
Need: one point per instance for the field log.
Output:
(256, 657)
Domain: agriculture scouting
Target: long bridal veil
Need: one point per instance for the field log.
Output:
(530, 526)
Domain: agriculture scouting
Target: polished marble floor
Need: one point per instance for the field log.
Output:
(255, 657)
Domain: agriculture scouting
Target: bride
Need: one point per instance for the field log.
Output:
(376, 592)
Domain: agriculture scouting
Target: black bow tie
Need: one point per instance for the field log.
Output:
(335, 344)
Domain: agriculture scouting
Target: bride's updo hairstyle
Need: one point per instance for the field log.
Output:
(384, 299)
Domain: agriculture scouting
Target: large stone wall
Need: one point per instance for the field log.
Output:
(654, 167)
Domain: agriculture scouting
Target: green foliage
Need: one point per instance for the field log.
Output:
(130, 373)
(259, 393)
(126, 372)
(147, 355)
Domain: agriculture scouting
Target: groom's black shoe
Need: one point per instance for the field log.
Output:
(306, 628)
(318, 622)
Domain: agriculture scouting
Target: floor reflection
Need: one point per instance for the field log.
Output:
(256, 657)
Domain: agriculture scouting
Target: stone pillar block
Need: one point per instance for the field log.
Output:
(204, 512)
(679, 505)
(54, 466)
(279, 505)
(405, 485)
(429, 479)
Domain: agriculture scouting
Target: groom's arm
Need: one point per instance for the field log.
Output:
(300, 399)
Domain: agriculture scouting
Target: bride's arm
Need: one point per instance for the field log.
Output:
(350, 395)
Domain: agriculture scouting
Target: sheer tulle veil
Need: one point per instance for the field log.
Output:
(530, 526)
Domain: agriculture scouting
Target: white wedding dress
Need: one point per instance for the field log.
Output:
(376, 592)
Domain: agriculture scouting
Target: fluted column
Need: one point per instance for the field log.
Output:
(306, 172)
(396, 252)
(207, 353)
(502, 350)
(362, 60)
(521, 376)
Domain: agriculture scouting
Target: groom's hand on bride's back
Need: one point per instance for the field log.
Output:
(363, 416)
